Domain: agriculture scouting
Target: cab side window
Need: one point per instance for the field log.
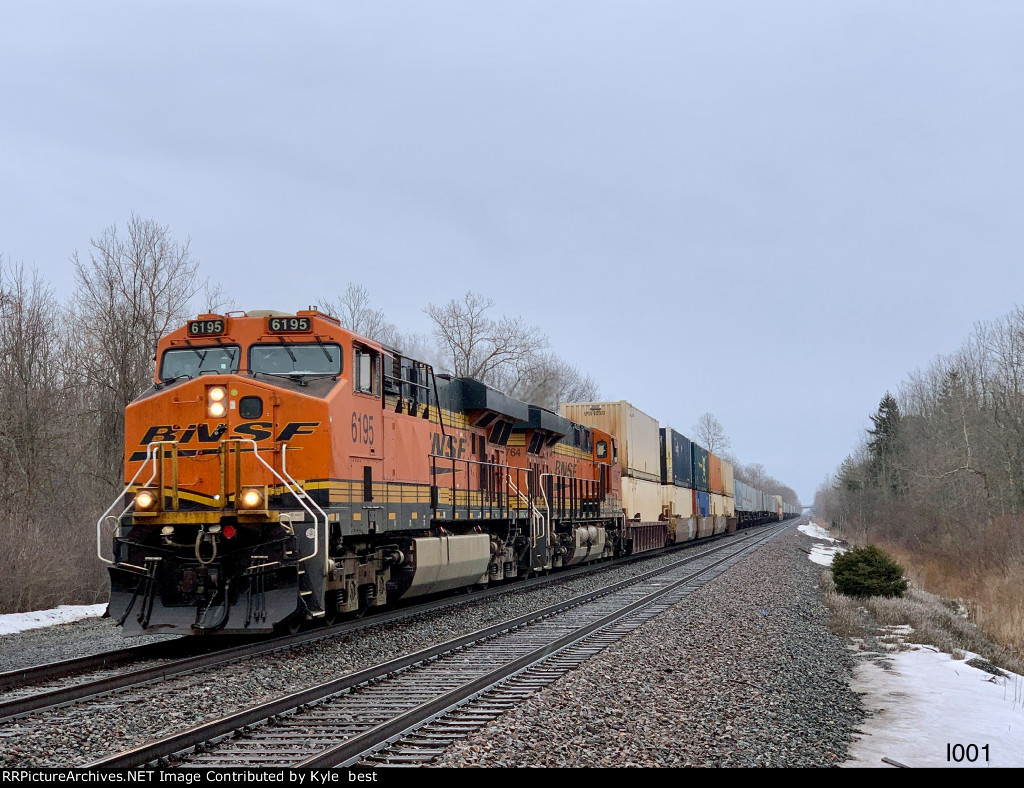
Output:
(602, 449)
(367, 371)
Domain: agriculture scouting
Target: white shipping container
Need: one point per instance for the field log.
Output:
(637, 434)
(643, 498)
(747, 498)
(728, 478)
(722, 505)
(677, 501)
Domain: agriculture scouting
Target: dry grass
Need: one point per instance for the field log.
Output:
(934, 621)
(991, 594)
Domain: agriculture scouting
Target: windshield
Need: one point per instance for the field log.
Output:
(193, 361)
(319, 359)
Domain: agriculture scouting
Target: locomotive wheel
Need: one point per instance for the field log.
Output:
(291, 625)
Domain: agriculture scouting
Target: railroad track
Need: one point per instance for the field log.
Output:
(91, 677)
(410, 709)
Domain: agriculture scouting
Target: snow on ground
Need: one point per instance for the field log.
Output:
(812, 529)
(19, 622)
(928, 701)
(923, 703)
(821, 553)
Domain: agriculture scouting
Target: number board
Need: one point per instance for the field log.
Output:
(205, 328)
(284, 325)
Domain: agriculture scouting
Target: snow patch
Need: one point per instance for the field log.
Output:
(926, 700)
(816, 531)
(821, 553)
(19, 622)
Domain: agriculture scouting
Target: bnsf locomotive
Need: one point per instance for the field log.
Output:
(283, 469)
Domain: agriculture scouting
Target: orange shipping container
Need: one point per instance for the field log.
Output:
(715, 482)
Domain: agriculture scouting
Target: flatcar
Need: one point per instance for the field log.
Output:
(282, 469)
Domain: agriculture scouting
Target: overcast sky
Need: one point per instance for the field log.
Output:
(770, 211)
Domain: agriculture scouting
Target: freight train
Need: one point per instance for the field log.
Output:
(282, 469)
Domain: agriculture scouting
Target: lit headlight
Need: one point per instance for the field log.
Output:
(145, 500)
(217, 406)
(251, 498)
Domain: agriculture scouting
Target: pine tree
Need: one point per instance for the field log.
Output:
(886, 447)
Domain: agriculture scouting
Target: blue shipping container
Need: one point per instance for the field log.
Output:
(677, 464)
(704, 504)
(701, 467)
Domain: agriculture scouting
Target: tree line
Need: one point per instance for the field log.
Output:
(940, 472)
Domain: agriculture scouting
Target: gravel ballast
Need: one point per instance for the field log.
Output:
(744, 672)
(79, 734)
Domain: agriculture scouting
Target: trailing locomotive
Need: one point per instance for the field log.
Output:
(283, 469)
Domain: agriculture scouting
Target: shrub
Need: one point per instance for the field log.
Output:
(868, 571)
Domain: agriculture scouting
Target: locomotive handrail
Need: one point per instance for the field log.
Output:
(535, 513)
(483, 463)
(547, 502)
(316, 522)
(150, 455)
(293, 487)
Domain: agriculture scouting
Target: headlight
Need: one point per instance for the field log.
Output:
(145, 500)
(216, 396)
(251, 498)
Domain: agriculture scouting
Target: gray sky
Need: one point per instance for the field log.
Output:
(770, 211)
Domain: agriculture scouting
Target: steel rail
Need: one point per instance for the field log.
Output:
(352, 750)
(221, 653)
(155, 752)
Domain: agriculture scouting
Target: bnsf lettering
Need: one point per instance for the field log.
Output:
(204, 433)
(563, 468)
(298, 428)
(447, 446)
(257, 430)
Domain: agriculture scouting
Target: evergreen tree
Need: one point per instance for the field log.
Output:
(886, 447)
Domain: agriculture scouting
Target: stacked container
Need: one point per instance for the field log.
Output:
(639, 451)
(677, 483)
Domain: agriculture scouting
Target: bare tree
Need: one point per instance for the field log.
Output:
(215, 299)
(545, 379)
(752, 473)
(353, 308)
(44, 550)
(479, 346)
(131, 289)
(710, 432)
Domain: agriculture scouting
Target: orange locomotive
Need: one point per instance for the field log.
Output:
(284, 469)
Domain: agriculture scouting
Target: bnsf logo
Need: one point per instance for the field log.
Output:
(203, 433)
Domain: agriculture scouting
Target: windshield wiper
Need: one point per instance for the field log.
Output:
(165, 381)
(330, 358)
(202, 356)
(288, 350)
(302, 378)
